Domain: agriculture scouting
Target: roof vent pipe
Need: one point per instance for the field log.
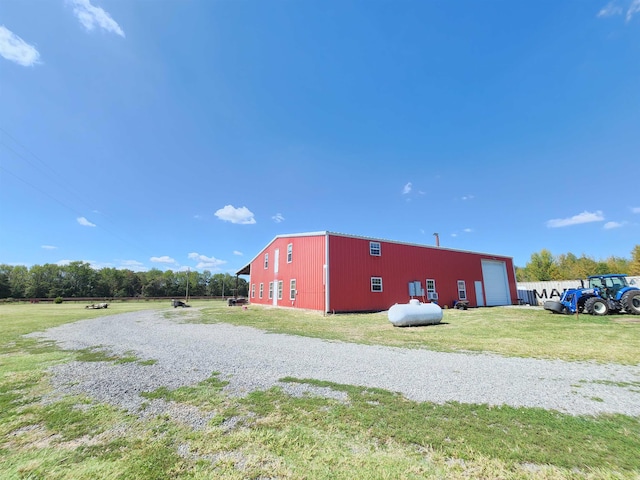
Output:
(437, 239)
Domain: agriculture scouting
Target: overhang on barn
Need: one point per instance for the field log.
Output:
(334, 272)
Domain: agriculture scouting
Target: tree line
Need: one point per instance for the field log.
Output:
(79, 279)
(544, 266)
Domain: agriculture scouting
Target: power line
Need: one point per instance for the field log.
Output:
(55, 174)
(64, 187)
(40, 190)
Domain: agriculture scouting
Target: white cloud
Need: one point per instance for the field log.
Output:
(610, 10)
(278, 218)
(454, 234)
(236, 252)
(206, 262)
(468, 230)
(232, 214)
(13, 48)
(48, 247)
(132, 265)
(633, 9)
(468, 197)
(99, 265)
(84, 222)
(610, 225)
(62, 263)
(635, 209)
(163, 259)
(584, 217)
(407, 188)
(91, 16)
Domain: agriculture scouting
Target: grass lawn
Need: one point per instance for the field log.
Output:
(509, 331)
(371, 434)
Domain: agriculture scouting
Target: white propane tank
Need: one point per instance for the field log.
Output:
(414, 313)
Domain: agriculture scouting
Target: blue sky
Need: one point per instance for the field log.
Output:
(187, 134)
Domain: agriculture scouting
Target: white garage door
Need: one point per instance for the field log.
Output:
(496, 285)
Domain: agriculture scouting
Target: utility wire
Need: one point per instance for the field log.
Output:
(64, 187)
(53, 176)
(27, 149)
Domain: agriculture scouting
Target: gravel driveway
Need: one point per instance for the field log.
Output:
(250, 359)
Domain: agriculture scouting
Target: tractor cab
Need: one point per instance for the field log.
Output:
(608, 285)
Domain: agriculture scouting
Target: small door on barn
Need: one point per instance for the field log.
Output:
(479, 293)
(496, 285)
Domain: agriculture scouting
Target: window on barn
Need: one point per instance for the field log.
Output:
(462, 290)
(289, 253)
(431, 289)
(280, 290)
(253, 290)
(270, 290)
(261, 291)
(292, 289)
(266, 261)
(431, 285)
(376, 284)
(374, 249)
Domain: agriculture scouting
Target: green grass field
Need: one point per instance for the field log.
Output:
(373, 434)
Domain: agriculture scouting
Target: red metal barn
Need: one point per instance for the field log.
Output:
(334, 272)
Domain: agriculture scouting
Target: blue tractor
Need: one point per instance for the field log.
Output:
(605, 294)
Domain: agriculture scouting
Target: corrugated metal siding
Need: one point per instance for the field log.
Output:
(351, 267)
(306, 268)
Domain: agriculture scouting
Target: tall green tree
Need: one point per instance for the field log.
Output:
(79, 279)
(5, 285)
(617, 265)
(542, 267)
(18, 280)
(153, 283)
(634, 265)
(45, 281)
(568, 266)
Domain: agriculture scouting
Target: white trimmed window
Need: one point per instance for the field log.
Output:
(462, 290)
(253, 290)
(374, 249)
(431, 289)
(270, 290)
(266, 261)
(280, 286)
(431, 285)
(289, 253)
(376, 284)
(261, 291)
(292, 289)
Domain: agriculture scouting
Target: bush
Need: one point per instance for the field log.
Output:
(58, 300)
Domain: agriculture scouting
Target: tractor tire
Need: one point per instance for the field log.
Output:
(596, 306)
(631, 302)
(553, 306)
